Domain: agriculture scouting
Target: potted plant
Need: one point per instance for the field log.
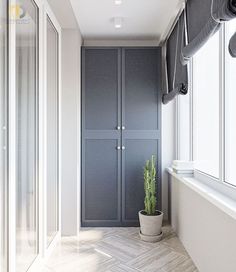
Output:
(150, 219)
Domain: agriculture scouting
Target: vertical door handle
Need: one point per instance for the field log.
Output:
(4, 128)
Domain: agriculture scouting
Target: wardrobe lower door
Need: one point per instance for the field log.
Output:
(3, 136)
(137, 151)
(101, 183)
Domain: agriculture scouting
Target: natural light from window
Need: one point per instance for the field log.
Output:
(206, 108)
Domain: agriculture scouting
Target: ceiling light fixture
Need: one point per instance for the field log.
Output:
(118, 2)
(118, 22)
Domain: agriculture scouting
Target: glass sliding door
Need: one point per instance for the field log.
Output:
(3, 135)
(52, 131)
(26, 134)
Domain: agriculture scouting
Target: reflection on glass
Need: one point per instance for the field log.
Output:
(26, 121)
(3, 131)
(52, 131)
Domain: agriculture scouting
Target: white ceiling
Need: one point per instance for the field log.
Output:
(143, 19)
(64, 13)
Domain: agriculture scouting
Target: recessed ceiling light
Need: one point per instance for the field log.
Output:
(118, 22)
(118, 2)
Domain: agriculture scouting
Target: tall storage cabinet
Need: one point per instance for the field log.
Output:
(121, 129)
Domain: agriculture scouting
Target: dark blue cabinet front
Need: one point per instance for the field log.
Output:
(120, 130)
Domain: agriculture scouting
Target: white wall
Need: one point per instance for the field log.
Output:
(70, 105)
(70, 114)
(207, 233)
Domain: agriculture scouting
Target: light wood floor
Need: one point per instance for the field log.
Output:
(118, 250)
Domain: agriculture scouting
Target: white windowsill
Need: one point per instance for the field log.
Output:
(224, 203)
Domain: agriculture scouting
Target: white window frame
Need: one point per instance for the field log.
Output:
(11, 145)
(47, 250)
(218, 184)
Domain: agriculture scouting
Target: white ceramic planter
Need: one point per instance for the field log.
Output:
(150, 226)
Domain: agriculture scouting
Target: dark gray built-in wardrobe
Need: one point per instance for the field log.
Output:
(121, 129)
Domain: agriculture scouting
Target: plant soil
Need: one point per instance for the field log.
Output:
(156, 213)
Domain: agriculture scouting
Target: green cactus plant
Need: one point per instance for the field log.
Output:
(150, 186)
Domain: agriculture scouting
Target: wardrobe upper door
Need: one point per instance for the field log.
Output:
(141, 73)
(101, 82)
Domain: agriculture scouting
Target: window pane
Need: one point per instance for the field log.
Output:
(206, 107)
(26, 95)
(230, 109)
(52, 131)
(3, 136)
(184, 127)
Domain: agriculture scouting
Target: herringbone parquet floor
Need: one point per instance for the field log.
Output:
(118, 250)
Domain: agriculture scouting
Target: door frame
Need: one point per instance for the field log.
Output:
(47, 249)
(44, 10)
(12, 147)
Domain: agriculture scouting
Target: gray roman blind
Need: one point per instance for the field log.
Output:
(204, 18)
(232, 46)
(176, 73)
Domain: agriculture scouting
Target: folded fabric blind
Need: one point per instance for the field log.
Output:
(204, 18)
(177, 74)
(232, 46)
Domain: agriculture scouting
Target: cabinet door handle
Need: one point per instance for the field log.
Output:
(118, 148)
(118, 128)
(123, 148)
(123, 127)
